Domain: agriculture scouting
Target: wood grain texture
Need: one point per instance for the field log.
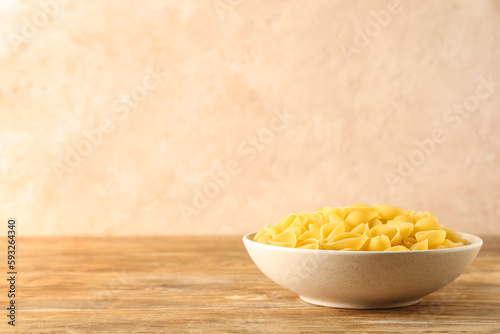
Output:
(210, 285)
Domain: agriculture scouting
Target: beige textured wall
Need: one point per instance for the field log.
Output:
(290, 105)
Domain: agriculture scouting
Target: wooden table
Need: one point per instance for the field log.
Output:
(210, 285)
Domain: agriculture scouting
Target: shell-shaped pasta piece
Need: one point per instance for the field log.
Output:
(397, 239)
(333, 218)
(260, 233)
(339, 229)
(264, 239)
(409, 242)
(310, 243)
(366, 244)
(295, 230)
(422, 215)
(298, 222)
(324, 245)
(340, 212)
(386, 229)
(355, 218)
(388, 212)
(329, 230)
(304, 214)
(404, 227)
(379, 243)
(431, 216)
(312, 217)
(326, 229)
(284, 239)
(309, 246)
(434, 237)
(422, 245)
(398, 248)
(362, 229)
(357, 207)
(306, 235)
(426, 224)
(452, 235)
(374, 222)
(317, 224)
(464, 241)
(354, 243)
(438, 247)
(369, 211)
(367, 231)
(313, 232)
(345, 235)
(272, 230)
(404, 218)
(287, 221)
(450, 244)
(328, 210)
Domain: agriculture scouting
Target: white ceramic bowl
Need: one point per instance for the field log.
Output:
(360, 279)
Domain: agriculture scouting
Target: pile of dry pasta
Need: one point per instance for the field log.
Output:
(361, 227)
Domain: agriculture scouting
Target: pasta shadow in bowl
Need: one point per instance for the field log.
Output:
(360, 279)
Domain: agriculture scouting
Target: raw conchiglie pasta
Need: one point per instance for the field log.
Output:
(386, 229)
(310, 243)
(330, 230)
(328, 210)
(429, 215)
(398, 248)
(426, 224)
(433, 238)
(285, 239)
(355, 218)
(452, 235)
(313, 232)
(264, 239)
(422, 245)
(405, 228)
(310, 216)
(295, 230)
(272, 230)
(439, 247)
(374, 222)
(450, 244)
(397, 239)
(388, 212)
(404, 218)
(345, 235)
(260, 234)
(379, 243)
(370, 212)
(361, 227)
(353, 243)
(409, 242)
(286, 221)
(333, 218)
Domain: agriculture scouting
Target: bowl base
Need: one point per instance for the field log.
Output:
(327, 303)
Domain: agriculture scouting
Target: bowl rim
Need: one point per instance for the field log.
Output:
(476, 242)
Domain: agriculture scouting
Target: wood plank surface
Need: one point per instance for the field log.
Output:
(210, 285)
